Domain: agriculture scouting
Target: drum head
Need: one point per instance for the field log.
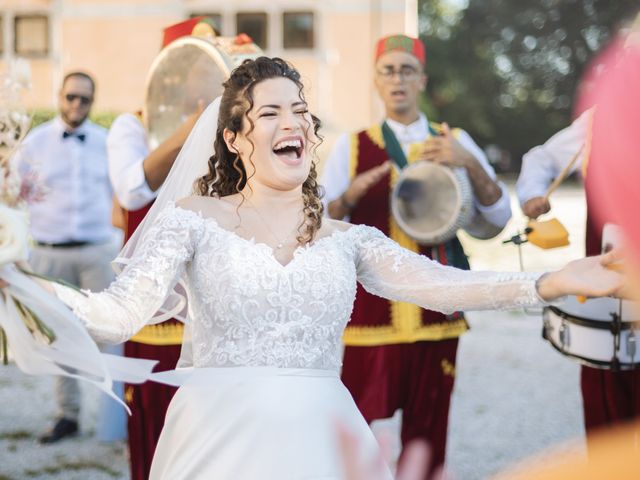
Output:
(188, 70)
(427, 202)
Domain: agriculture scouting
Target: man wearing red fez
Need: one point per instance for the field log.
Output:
(136, 175)
(397, 355)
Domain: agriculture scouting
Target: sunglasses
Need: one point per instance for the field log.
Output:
(72, 97)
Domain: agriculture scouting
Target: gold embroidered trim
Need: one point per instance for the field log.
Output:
(358, 336)
(353, 155)
(375, 134)
(448, 368)
(160, 334)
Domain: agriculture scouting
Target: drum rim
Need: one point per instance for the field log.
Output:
(590, 322)
(600, 364)
(442, 232)
(220, 57)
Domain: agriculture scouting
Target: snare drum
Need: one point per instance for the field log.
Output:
(601, 332)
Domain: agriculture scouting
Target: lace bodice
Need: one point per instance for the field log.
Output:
(247, 309)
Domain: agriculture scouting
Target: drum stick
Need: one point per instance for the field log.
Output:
(563, 174)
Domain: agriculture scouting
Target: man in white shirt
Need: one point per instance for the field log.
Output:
(543, 163)
(74, 239)
(136, 172)
(398, 356)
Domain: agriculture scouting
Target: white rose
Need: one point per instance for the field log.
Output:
(14, 235)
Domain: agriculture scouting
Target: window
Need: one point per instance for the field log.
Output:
(253, 24)
(215, 18)
(31, 35)
(297, 30)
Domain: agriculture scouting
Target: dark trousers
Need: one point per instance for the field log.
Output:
(417, 378)
(609, 397)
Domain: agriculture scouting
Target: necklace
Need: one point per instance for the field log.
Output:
(280, 243)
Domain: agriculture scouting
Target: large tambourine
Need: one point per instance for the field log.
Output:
(188, 71)
(431, 202)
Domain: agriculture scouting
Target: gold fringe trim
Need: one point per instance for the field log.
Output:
(160, 334)
(358, 336)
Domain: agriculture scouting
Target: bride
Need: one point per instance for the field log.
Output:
(269, 286)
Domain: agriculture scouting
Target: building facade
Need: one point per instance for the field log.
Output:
(330, 41)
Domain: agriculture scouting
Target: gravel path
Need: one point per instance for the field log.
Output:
(514, 397)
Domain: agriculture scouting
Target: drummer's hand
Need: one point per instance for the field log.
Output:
(535, 207)
(446, 150)
(361, 184)
(588, 277)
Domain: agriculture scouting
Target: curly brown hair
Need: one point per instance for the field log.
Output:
(227, 174)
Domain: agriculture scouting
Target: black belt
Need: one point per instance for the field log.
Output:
(63, 244)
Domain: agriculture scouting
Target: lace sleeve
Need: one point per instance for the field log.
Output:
(390, 271)
(117, 313)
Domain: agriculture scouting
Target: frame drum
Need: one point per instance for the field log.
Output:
(601, 332)
(430, 202)
(189, 70)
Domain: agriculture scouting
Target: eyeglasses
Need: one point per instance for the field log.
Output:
(405, 74)
(72, 97)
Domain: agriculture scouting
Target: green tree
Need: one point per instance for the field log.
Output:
(508, 71)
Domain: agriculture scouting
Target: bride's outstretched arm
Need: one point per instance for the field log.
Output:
(387, 270)
(117, 313)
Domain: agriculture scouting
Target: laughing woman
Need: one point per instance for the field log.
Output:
(269, 289)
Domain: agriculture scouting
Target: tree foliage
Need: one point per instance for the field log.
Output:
(507, 71)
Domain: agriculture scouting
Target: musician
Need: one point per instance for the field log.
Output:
(136, 174)
(608, 397)
(398, 356)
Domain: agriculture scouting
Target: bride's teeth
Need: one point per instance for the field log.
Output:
(288, 143)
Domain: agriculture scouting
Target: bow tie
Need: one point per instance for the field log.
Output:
(80, 136)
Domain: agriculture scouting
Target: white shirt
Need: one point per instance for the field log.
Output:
(543, 163)
(128, 146)
(77, 205)
(335, 177)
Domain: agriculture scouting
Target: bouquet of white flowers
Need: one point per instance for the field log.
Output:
(16, 192)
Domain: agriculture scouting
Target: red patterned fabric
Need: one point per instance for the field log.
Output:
(417, 378)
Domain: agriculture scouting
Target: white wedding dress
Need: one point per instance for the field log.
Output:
(265, 394)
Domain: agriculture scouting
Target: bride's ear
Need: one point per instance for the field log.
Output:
(229, 139)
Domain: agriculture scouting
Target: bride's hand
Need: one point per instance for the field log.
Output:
(588, 277)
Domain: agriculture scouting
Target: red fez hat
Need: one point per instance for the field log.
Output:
(401, 43)
(182, 29)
